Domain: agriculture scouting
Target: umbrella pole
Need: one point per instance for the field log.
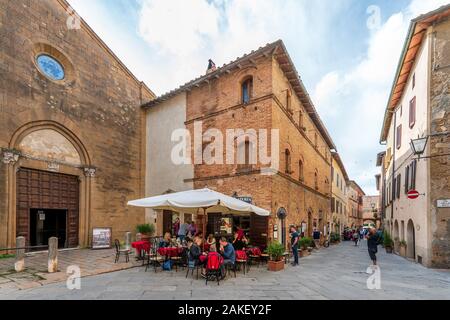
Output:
(205, 220)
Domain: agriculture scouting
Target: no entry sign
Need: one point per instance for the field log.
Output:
(413, 194)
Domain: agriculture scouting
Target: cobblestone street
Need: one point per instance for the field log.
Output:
(338, 272)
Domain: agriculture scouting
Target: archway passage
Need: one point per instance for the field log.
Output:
(48, 202)
(410, 240)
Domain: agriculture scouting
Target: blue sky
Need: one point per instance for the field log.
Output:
(346, 52)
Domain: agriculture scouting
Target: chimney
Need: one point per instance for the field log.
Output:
(211, 66)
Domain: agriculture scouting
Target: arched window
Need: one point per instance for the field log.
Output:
(301, 177)
(288, 101)
(316, 180)
(287, 158)
(247, 90)
(316, 142)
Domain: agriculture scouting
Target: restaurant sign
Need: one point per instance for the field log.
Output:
(245, 199)
(444, 203)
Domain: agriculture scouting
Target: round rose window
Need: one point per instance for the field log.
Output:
(50, 67)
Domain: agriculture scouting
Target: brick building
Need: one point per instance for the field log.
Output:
(71, 128)
(260, 90)
(418, 107)
(355, 205)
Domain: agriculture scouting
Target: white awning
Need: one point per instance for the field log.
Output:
(192, 200)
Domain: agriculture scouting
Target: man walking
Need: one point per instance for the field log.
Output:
(373, 240)
(294, 245)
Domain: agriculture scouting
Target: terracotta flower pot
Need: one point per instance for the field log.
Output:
(145, 237)
(403, 250)
(275, 265)
(388, 249)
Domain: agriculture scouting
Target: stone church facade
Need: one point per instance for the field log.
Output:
(72, 133)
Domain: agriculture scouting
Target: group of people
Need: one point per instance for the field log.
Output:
(184, 230)
(197, 256)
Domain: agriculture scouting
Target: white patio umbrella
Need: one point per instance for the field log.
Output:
(192, 200)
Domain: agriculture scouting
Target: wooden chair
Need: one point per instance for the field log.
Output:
(241, 262)
(119, 251)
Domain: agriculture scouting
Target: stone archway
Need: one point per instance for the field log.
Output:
(410, 240)
(49, 147)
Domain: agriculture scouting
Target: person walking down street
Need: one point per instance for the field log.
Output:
(373, 239)
(294, 245)
(355, 237)
(192, 230)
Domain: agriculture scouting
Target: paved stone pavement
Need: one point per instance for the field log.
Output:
(338, 272)
(91, 262)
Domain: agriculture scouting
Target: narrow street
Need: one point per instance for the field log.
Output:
(338, 272)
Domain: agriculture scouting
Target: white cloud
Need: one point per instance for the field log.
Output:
(178, 27)
(356, 98)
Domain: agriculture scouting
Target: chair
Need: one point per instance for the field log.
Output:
(241, 260)
(287, 257)
(192, 266)
(213, 267)
(153, 259)
(119, 251)
(264, 257)
(229, 267)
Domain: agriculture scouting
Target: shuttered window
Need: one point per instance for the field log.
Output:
(399, 137)
(412, 112)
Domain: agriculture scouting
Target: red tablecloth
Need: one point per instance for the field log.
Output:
(241, 255)
(254, 251)
(170, 252)
(141, 245)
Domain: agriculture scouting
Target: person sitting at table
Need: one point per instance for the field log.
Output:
(166, 241)
(195, 251)
(211, 241)
(239, 241)
(212, 253)
(227, 251)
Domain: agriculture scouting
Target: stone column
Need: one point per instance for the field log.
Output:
(19, 265)
(127, 240)
(52, 254)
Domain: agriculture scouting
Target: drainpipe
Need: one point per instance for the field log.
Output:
(394, 147)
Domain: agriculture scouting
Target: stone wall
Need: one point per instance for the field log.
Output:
(440, 145)
(98, 101)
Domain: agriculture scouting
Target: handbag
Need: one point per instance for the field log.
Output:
(167, 265)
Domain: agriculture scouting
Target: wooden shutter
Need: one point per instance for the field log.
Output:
(167, 221)
(258, 230)
(412, 112)
(406, 179)
(399, 137)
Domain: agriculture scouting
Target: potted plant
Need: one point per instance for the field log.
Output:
(305, 245)
(403, 248)
(275, 250)
(146, 230)
(387, 242)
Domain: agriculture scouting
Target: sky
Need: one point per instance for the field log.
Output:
(346, 52)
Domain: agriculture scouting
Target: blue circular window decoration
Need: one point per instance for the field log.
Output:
(50, 67)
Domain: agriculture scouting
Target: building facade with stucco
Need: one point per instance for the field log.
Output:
(419, 108)
(72, 133)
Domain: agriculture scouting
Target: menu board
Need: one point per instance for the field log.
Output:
(101, 238)
(226, 225)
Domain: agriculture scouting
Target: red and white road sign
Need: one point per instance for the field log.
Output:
(413, 194)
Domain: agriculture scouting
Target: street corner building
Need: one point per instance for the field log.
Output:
(72, 132)
(260, 90)
(416, 131)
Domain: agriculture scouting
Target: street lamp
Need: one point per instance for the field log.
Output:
(418, 145)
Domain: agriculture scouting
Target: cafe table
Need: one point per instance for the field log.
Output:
(141, 246)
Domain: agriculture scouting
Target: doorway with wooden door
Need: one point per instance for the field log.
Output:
(47, 205)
